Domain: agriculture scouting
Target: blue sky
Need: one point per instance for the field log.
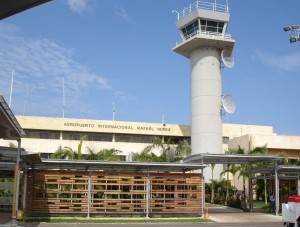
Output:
(121, 51)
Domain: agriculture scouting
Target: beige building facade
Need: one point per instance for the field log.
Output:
(45, 135)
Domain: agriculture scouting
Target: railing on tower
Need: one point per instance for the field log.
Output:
(202, 5)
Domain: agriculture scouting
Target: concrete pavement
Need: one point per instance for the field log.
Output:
(227, 214)
(217, 214)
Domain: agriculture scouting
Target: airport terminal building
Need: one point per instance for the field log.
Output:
(44, 135)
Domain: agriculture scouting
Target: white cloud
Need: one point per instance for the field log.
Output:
(40, 65)
(121, 12)
(77, 6)
(289, 62)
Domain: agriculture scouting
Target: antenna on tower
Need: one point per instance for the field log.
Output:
(113, 111)
(11, 87)
(64, 101)
(25, 102)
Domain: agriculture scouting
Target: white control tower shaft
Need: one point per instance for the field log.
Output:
(202, 27)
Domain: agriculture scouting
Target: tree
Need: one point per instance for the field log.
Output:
(145, 156)
(169, 151)
(104, 154)
(212, 166)
(245, 168)
(69, 153)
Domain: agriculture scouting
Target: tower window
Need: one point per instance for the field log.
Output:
(211, 26)
(191, 29)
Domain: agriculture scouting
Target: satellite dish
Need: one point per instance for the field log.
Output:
(227, 58)
(228, 103)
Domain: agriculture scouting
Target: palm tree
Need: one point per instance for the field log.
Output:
(69, 153)
(146, 156)
(169, 152)
(233, 169)
(245, 168)
(182, 150)
(104, 154)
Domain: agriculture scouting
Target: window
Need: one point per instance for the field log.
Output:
(177, 140)
(292, 161)
(225, 140)
(133, 138)
(190, 29)
(90, 136)
(212, 26)
(42, 134)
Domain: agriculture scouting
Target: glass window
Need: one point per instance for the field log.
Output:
(292, 161)
(90, 136)
(190, 29)
(42, 134)
(212, 26)
(133, 138)
(177, 140)
(225, 140)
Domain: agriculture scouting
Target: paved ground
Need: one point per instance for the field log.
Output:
(223, 216)
(230, 215)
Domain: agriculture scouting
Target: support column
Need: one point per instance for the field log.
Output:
(16, 185)
(25, 178)
(276, 190)
(147, 195)
(89, 194)
(250, 194)
(298, 184)
(203, 194)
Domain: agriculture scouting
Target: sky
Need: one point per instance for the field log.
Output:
(119, 53)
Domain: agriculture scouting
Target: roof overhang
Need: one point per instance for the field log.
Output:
(281, 169)
(12, 7)
(8, 159)
(9, 126)
(33, 161)
(230, 158)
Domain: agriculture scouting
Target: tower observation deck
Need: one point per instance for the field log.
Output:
(202, 27)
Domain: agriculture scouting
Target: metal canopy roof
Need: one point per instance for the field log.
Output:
(11, 7)
(34, 162)
(8, 159)
(9, 126)
(230, 158)
(281, 169)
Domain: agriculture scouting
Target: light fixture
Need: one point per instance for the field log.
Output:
(294, 32)
(295, 27)
(293, 39)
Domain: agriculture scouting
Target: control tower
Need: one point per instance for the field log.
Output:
(202, 27)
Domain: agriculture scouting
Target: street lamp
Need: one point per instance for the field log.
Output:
(294, 33)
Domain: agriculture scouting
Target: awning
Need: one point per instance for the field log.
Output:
(9, 126)
(34, 163)
(11, 7)
(230, 158)
(8, 159)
